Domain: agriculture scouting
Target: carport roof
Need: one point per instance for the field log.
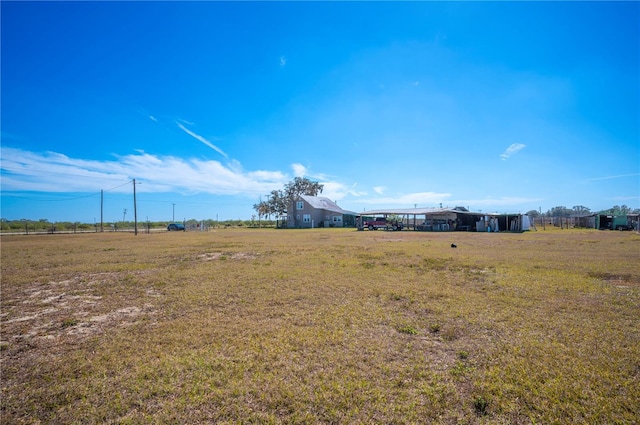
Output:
(421, 211)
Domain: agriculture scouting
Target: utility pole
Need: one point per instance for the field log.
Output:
(135, 210)
(124, 214)
(101, 209)
(173, 220)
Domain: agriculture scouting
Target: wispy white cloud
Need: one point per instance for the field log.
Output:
(152, 118)
(55, 172)
(283, 61)
(379, 190)
(201, 139)
(512, 150)
(299, 170)
(619, 176)
(338, 191)
(58, 173)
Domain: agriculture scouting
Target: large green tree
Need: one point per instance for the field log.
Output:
(560, 211)
(277, 203)
(302, 186)
(581, 210)
(262, 208)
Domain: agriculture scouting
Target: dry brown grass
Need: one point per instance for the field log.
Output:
(321, 326)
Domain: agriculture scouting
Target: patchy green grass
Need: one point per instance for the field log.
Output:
(321, 326)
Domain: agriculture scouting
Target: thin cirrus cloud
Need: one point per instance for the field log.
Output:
(201, 139)
(619, 176)
(513, 149)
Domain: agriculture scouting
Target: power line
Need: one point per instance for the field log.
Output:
(123, 184)
(49, 200)
(61, 194)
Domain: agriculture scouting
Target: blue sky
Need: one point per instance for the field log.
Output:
(495, 106)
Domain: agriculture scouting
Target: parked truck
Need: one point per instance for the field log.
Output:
(376, 223)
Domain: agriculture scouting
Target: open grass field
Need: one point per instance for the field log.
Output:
(321, 326)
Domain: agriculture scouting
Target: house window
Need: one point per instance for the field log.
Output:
(337, 219)
(299, 205)
(306, 218)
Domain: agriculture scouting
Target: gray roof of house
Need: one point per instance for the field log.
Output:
(321, 203)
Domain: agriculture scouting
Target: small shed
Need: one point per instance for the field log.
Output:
(616, 222)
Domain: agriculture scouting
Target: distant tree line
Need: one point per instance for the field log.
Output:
(580, 210)
(45, 226)
(42, 225)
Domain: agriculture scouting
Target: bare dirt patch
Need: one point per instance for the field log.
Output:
(210, 256)
(78, 306)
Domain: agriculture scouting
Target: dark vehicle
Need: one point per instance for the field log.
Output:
(382, 223)
(376, 223)
(176, 226)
